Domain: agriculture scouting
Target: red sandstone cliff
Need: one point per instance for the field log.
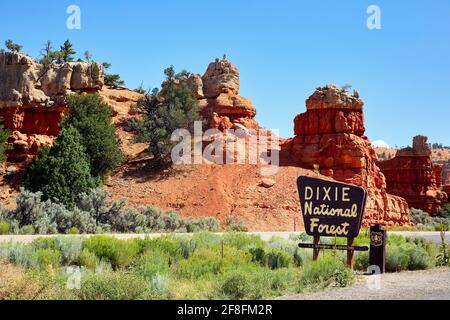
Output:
(412, 175)
(330, 137)
(33, 98)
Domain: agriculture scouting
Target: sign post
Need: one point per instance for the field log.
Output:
(331, 209)
(378, 247)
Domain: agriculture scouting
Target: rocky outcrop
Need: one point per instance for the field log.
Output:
(219, 100)
(329, 136)
(446, 173)
(412, 175)
(33, 96)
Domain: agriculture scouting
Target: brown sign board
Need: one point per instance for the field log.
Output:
(331, 209)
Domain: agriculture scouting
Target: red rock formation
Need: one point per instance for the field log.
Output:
(33, 98)
(330, 137)
(411, 175)
(218, 94)
(446, 173)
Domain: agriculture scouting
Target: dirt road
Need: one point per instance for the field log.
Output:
(410, 285)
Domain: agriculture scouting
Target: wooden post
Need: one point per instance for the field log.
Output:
(378, 247)
(295, 227)
(316, 251)
(350, 254)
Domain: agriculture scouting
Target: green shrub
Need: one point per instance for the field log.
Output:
(172, 108)
(152, 263)
(48, 257)
(92, 118)
(119, 253)
(242, 241)
(206, 263)
(113, 286)
(277, 259)
(27, 229)
(44, 243)
(396, 259)
(4, 227)
(235, 285)
(235, 224)
(4, 134)
(88, 259)
(24, 256)
(62, 172)
(203, 224)
(70, 248)
(73, 231)
(326, 271)
(362, 260)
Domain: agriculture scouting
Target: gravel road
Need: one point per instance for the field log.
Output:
(409, 285)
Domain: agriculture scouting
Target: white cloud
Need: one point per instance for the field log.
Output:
(380, 144)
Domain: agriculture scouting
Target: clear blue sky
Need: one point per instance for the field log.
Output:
(283, 49)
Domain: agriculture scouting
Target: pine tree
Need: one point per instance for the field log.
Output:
(61, 172)
(13, 47)
(112, 80)
(92, 118)
(66, 53)
(174, 107)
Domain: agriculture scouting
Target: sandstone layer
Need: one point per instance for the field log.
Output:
(329, 137)
(412, 175)
(33, 97)
(218, 94)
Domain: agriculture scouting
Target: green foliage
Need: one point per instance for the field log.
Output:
(277, 259)
(66, 53)
(235, 224)
(91, 117)
(327, 271)
(236, 285)
(70, 248)
(443, 257)
(13, 47)
(27, 230)
(202, 224)
(62, 172)
(172, 108)
(119, 253)
(48, 257)
(113, 286)
(423, 220)
(201, 266)
(4, 227)
(4, 134)
(88, 259)
(111, 79)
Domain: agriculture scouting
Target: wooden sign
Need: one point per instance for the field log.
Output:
(331, 209)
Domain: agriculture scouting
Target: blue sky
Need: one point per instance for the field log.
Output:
(284, 49)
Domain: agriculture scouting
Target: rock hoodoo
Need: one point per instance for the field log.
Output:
(411, 175)
(33, 98)
(218, 94)
(330, 136)
(446, 173)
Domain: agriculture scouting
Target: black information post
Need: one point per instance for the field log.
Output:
(378, 247)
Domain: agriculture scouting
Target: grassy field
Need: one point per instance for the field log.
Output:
(200, 266)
